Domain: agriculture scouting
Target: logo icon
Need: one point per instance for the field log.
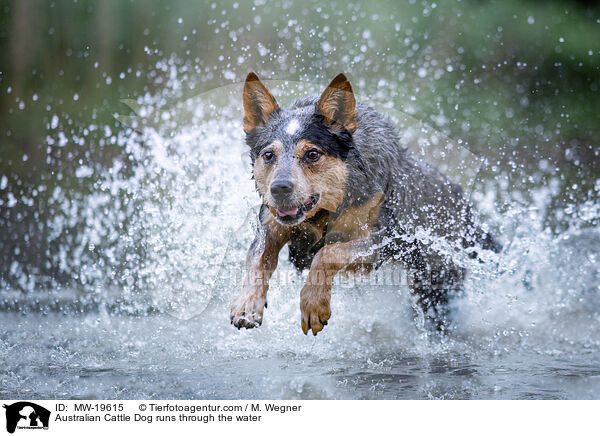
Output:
(26, 415)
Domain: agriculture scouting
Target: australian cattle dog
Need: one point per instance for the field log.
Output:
(341, 189)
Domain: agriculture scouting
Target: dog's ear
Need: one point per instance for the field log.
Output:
(338, 105)
(258, 103)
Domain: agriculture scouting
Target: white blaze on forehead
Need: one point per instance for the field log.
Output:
(292, 127)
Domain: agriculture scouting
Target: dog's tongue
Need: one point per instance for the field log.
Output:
(284, 211)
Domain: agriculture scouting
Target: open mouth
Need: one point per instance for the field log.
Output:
(289, 214)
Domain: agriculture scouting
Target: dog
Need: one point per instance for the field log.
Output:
(339, 187)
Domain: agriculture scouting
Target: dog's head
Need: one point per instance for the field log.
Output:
(299, 154)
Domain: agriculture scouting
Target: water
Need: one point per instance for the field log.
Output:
(160, 357)
(159, 259)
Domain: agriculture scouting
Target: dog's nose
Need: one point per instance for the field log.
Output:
(281, 189)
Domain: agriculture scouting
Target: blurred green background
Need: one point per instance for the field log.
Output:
(516, 81)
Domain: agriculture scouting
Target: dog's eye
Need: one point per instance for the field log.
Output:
(268, 156)
(312, 155)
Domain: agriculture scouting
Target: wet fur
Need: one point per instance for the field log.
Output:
(373, 193)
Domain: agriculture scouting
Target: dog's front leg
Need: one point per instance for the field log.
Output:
(247, 309)
(316, 293)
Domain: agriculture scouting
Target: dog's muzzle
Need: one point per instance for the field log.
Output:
(281, 190)
(290, 214)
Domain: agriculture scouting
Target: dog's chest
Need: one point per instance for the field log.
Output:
(351, 224)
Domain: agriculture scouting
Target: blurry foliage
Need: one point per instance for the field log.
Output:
(517, 81)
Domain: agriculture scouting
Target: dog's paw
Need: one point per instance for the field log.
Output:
(315, 309)
(247, 311)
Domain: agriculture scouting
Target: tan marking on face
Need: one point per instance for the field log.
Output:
(326, 177)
